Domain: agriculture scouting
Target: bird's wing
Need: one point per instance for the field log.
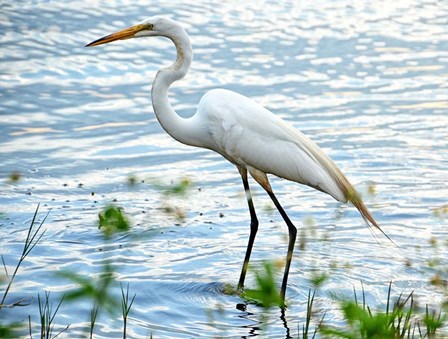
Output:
(248, 134)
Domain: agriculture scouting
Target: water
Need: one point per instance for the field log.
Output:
(367, 82)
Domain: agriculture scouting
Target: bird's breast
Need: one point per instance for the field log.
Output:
(227, 135)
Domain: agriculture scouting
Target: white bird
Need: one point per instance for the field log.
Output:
(245, 133)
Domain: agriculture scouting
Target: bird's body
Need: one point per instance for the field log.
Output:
(245, 133)
(250, 136)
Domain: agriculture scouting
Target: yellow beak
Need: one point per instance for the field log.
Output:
(126, 33)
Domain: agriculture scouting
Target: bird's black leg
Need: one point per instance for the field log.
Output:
(292, 239)
(253, 227)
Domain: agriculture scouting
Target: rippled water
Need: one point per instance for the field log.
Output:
(367, 82)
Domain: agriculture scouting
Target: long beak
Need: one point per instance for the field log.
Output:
(126, 33)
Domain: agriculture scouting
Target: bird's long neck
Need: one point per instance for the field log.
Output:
(181, 129)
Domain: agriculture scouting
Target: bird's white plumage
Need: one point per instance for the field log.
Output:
(249, 135)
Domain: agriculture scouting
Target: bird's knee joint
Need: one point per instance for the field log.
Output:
(292, 231)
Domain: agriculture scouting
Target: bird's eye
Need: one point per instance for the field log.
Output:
(149, 26)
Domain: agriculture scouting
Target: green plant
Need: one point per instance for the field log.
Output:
(318, 278)
(112, 220)
(47, 315)
(32, 238)
(14, 177)
(94, 288)
(309, 313)
(399, 320)
(433, 321)
(266, 294)
(93, 316)
(175, 189)
(171, 192)
(126, 307)
(10, 330)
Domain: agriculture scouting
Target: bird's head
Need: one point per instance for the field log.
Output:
(154, 26)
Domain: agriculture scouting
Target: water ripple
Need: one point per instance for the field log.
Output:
(365, 80)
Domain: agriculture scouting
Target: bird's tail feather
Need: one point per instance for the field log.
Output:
(353, 196)
(356, 200)
(349, 192)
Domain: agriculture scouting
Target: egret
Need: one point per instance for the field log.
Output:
(245, 133)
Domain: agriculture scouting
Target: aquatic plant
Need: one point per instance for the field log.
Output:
(266, 292)
(46, 316)
(33, 237)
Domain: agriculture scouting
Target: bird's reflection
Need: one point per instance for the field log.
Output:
(259, 324)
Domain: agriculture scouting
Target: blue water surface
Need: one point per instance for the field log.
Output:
(367, 81)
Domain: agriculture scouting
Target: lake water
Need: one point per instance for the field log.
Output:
(367, 81)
